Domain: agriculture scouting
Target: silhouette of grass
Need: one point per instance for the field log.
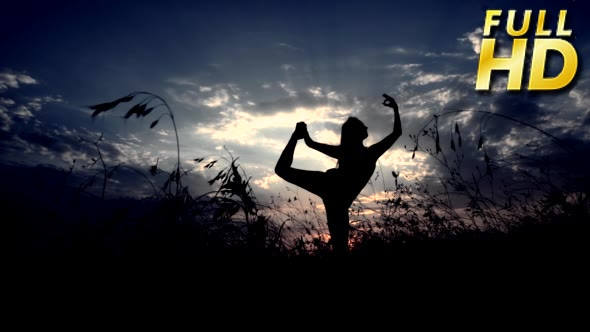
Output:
(460, 203)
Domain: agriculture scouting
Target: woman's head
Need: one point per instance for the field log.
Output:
(353, 131)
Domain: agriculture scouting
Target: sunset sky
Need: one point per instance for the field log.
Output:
(241, 74)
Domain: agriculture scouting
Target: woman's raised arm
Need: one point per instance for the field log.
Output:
(381, 147)
(329, 150)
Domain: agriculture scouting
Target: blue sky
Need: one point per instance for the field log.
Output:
(241, 74)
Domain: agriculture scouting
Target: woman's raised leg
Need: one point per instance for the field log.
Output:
(312, 181)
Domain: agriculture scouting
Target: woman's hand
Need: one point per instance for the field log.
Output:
(301, 131)
(389, 102)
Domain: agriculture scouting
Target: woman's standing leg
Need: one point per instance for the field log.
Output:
(337, 214)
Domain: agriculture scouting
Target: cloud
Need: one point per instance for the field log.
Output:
(581, 97)
(28, 133)
(256, 118)
(288, 47)
(423, 88)
(404, 66)
(9, 79)
(266, 181)
(430, 78)
(242, 127)
(315, 91)
(288, 89)
(220, 97)
(426, 54)
(181, 81)
(445, 54)
(399, 160)
(400, 50)
(51, 141)
(310, 97)
(6, 101)
(433, 99)
(287, 67)
(60, 145)
(186, 97)
(415, 75)
(37, 103)
(473, 38)
(22, 111)
(6, 119)
(214, 96)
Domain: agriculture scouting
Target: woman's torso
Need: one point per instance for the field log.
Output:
(354, 170)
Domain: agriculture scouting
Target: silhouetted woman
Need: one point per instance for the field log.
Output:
(338, 187)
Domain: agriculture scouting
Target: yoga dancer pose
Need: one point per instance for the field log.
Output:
(338, 187)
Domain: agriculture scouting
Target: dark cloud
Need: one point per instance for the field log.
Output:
(302, 98)
(305, 54)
